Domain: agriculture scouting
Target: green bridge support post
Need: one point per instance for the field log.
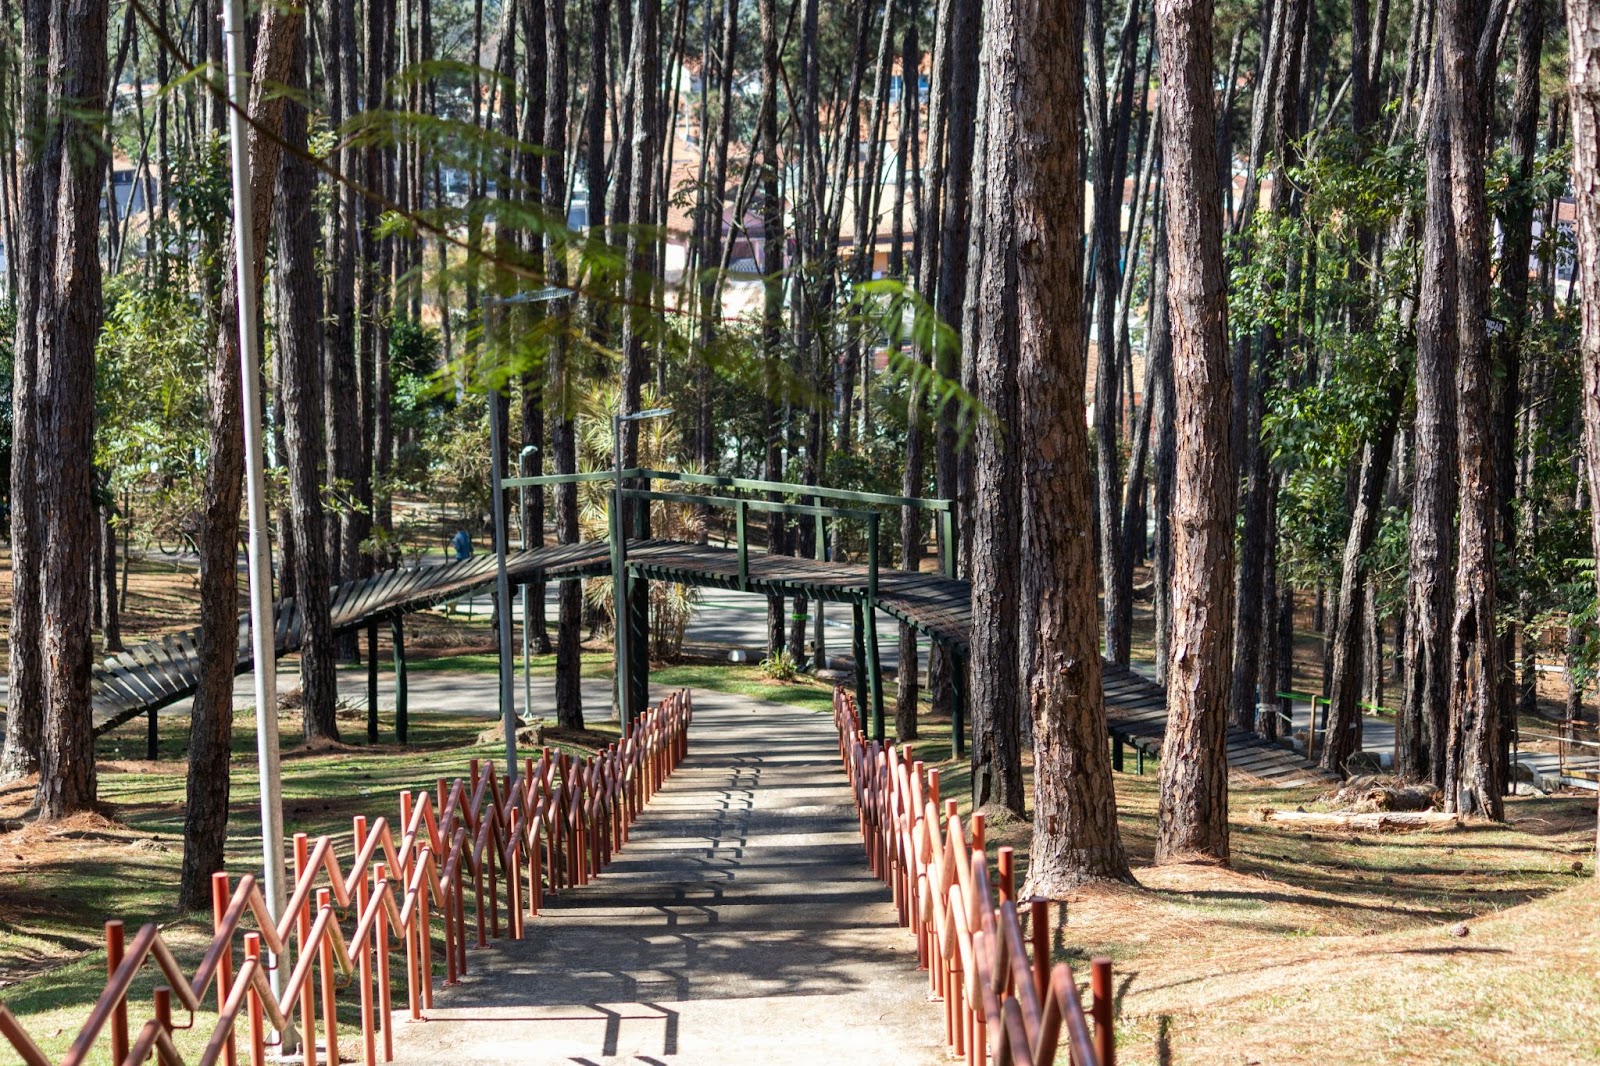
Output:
(152, 738)
(639, 617)
(870, 609)
(372, 681)
(638, 642)
(958, 703)
(858, 648)
(401, 715)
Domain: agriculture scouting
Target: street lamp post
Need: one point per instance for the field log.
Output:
(527, 592)
(264, 652)
(619, 563)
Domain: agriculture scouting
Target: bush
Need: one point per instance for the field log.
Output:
(779, 666)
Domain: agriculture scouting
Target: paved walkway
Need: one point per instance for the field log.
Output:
(739, 925)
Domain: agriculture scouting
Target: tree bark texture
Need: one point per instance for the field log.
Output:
(39, 177)
(995, 558)
(1425, 695)
(68, 323)
(1192, 820)
(211, 725)
(1473, 775)
(563, 430)
(1039, 59)
(1583, 49)
(1344, 710)
(299, 355)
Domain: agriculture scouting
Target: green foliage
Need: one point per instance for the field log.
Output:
(151, 432)
(780, 667)
(1305, 285)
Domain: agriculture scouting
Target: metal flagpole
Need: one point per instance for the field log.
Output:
(260, 563)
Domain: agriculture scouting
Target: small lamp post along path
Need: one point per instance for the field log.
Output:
(508, 699)
(619, 562)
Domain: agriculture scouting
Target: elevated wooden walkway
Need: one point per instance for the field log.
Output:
(154, 675)
(150, 676)
(1136, 713)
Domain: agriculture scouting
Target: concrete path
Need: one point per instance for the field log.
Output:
(739, 925)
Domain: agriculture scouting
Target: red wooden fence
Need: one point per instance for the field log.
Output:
(999, 1006)
(408, 884)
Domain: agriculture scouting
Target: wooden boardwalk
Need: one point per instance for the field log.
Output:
(1136, 712)
(153, 675)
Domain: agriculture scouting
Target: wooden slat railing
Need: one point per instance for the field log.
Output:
(999, 1006)
(556, 826)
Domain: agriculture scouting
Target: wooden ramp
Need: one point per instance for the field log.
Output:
(154, 675)
(150, 676)
(1136, 712)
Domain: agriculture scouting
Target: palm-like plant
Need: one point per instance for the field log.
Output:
(660, 446)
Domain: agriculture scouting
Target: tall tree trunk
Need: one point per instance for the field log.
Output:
(205, 823)
(1192, 821)
(772, 301)
(1163, 449)
(69, 325)
(36, 198)
(1344, 711)
(110, 617)
(996, 558)
(528, 168)
(1473, 774)
(1036, 113)
(299, 358)
(563, 431)
(964, 35)
(341, 384)
(1583, 66)
(1516, 222)
(1421, 729)
(1108, 131)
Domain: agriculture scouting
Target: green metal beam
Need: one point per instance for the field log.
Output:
(401, 704)
(788, 488)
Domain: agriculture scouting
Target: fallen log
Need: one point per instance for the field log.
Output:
(1372, 821)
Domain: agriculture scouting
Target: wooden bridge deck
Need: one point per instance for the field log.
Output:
(153, 675)
(1136, 712)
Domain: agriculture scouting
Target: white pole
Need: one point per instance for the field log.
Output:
(502, 584)
(261, 627)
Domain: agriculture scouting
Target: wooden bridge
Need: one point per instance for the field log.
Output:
(146, 678)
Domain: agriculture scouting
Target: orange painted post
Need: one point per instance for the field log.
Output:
(425, 941)
(958, 1010)
(119, 1015)
(1040, 913)
(330, 1006)
(162, 997)
(1105, 1036)
(224, 976)
(461, 917)
(258, 1029)
(380, 932)
(1008, 874)
(413, 967)
(514, 881)
(369, 1037)
(493, 880)
(308, 999)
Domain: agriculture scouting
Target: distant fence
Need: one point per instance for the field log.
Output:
(556, 826)
(999, 1006)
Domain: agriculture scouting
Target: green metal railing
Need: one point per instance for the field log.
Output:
(867, 509)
